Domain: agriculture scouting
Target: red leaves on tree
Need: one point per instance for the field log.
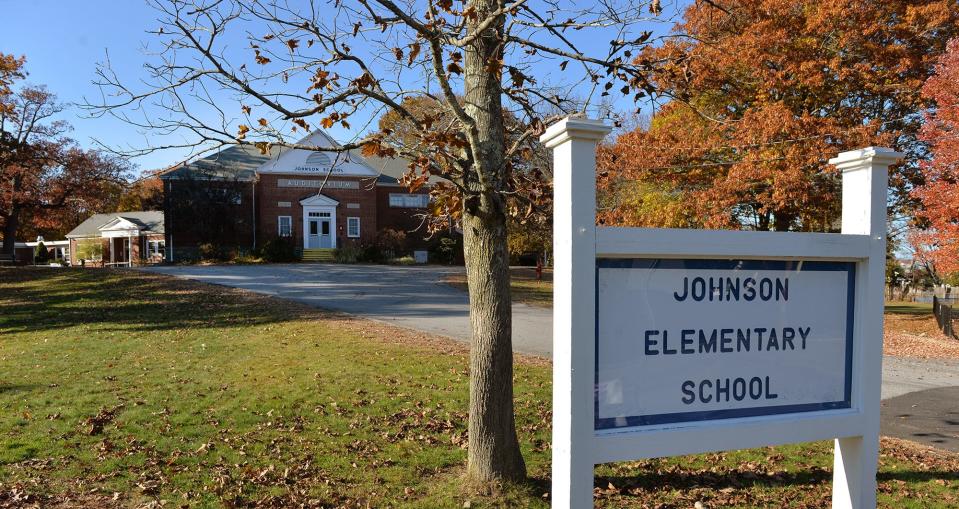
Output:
(940, 192)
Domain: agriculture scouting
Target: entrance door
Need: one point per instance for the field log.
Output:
(313, 239)
(319, 226)
(326, 240)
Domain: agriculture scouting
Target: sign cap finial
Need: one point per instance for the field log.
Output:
(854, 159)
(574, 128)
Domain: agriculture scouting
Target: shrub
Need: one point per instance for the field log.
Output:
(445, 249)
(406, 260)
(348, 254)
(278, 250)
(371, 253)
(247, 259)
(392, 243)
(40, 254)
(210, 252)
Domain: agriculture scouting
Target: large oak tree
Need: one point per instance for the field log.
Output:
(761, 93)
(47, 182)
(345, 63)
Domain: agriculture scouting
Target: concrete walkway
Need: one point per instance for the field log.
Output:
(408, 296)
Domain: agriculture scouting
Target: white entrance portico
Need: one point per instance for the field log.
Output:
(319, 222)
(121, 233)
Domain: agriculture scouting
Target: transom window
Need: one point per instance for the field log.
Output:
(285, 226)
(319, 214)
(409, 201)
(353, 227)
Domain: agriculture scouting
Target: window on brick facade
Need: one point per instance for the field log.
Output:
(156, 248)
(285, 226)
(353, 227)
(409, 201)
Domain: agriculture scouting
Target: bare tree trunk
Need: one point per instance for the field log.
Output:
(493, 447)
(494, 452)
(10, 232)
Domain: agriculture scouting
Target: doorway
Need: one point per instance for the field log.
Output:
(319, 230)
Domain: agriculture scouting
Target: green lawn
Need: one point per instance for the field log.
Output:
(908, 308)
(120, 389)
(524, 286)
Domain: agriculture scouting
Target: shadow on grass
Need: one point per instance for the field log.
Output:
(16, 388)
(683, 480)
(913, 476)
(39, 300)
(908, 308)
(740, 479)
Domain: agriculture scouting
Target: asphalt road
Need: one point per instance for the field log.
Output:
(919, 396)
(408, 296)
(930, 416)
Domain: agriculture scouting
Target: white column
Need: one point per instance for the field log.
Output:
(573, 141)
(865, 177)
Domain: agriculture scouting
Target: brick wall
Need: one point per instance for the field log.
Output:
(272, 202)
(357, 197)
(197, 212)
(399, 218)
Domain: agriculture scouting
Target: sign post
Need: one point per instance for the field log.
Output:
(671, 342)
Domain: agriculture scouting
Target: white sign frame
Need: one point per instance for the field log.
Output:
(578, 243)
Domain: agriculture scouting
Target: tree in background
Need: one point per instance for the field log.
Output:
(938, 242)
(89, 250)
(11, 69)
(760, 94)
(527, 189)
(45, 176)
(146, 193)
(319, 65)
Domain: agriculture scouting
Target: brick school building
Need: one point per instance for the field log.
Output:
(237, 200)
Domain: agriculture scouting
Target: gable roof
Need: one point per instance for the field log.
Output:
(236, 162)
(392, 170)
(147, 221)
(243, 162)
(308, 162)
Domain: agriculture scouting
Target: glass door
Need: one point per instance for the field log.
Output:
(313, 239)
(326, 239)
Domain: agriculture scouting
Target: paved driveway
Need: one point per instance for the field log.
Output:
(408, 296)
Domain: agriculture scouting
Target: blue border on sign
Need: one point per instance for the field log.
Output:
(704, 264)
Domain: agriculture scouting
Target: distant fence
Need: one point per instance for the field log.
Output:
(943, 311)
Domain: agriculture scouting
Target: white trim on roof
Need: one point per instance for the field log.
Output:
(119, 224)
(319, 200)
(306, 162)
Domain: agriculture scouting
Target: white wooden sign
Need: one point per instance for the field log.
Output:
(671, 342)
(693, 340)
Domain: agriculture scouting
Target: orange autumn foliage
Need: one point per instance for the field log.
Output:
(760, 93)
(939, 243)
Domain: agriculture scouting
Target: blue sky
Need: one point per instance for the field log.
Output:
(63, 41)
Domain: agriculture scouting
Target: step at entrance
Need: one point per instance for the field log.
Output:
(318, 255)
